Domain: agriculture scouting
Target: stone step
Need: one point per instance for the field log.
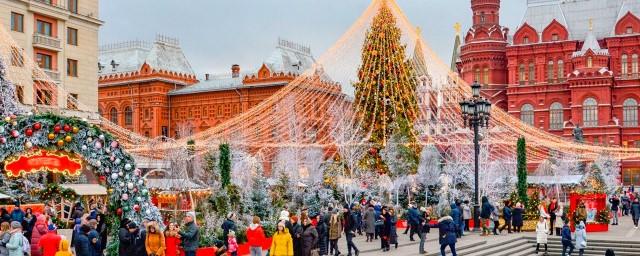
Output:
(622, 243)
(558, 251)
(601, 249)
(497, 248)
(512, 249)
(461, 249)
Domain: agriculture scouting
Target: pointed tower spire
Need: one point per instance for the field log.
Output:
(455, 56)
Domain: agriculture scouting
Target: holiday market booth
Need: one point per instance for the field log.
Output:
(174, 197)
(591, 207)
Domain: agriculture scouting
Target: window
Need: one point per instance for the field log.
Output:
(165, 131)
(550, 72)
(476, 76)
(44, 97)
(147, 114)
(44, 61)
(73, 6)
(72, 67)
(43, 28)
(128, 116)
(525, 40)
(526, 114)
(634, 64)
(521, 74)
(113, 115)
(589, 62)
(596, 140)
(560, 70)
(17, 59)
(625, 64)
(17, 22)
(20, 93)
(486, 76)
(482, 17)
(556, 115)
(590, 112)
(532, 73)
(72, 101)
(555, 37)
(72, 36)
(638, 144)
(219, 111)
(630, 113)
(629, 30)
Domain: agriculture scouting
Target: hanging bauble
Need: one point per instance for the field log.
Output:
(145, 191)
(112, 158)
(137, 172)
(84, 147)
(114, 144)
(147, 211)
(103, 178)
(75, 129)
(60, 143)
(107, 170)
(121, 174)
(130, 185)
(37, 126)
(114, 176)
(127, 167)
(7, 119)
(101, 136)
(140, 182)
(1, 129)
(136, 208)
(107, 150)
(67, 138)
(98, 145)
(110, 190)
(28, 144)
(3, 140)
(121, 184)
(138, 199)
(51, 136)
(57, 128)
(119, 211)
(15, 133)
(98, 163)
(373, 150)
(126, 208)
(89, 140)
(117, 161)
(28, 132)
(66, 128)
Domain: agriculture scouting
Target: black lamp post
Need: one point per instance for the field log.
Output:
(476, 112)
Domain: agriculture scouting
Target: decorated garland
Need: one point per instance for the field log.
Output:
(54, 191)
(128, 195)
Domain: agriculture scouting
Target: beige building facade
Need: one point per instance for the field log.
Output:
(61, 36)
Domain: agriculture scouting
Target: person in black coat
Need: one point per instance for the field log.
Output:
(296, 232)
(516, 217)
(635, 212)
(136, 241)
(507, 215)
(350, 228)
(447, 234)
(485, 215)
(615, 202)
(323, 235)
(123, 236)
(227, 225)
(385, 231)
(82, 245)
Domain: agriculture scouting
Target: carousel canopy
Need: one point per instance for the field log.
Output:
(86, 189)
(173, 184)
(555, 180)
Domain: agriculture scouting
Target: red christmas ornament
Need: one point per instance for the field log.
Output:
(373, 151)
(29, 132)
(37, 126)
(67, 128)
(15, 133)
(119, 211)
(57, 128)
(136, 208)
(3, 140)
(103, 178)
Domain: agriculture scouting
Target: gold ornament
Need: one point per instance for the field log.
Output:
(60, 143)
(67, 138)
(76, 129)
(51, 136)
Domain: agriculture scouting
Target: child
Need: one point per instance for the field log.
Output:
(541, 234)
(64, 248)
(233, 244)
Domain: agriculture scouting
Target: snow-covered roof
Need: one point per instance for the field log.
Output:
(591, 43)
(163, 54)
(86, 189)
(555, 180)
(576, 14)
(173, 184)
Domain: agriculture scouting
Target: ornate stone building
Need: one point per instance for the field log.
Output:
(569, 63)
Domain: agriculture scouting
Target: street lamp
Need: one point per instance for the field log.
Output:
(476, 112)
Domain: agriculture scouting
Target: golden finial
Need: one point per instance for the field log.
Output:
(419, 30)
(457, 27)
(590, 24)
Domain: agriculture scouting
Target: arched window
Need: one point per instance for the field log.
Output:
(521, 74)
(485, 76)
(589, 62)
(625, 64)
(482, 17)
(526, 114)
(476, 75)
(525, 40)
(634, 64)
(113, 115)
(590, 112)
(560, 70)
(128, 116)
(556, 115)
(532, 73)
(550, 72)
(630, 113)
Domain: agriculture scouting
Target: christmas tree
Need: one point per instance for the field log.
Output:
(260, 200)
(522, 171)
(8, 102)
(225, 165)
(385, 94)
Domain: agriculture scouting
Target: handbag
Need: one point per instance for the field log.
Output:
(583, 244)
(315, 252)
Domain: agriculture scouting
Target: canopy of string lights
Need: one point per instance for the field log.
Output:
(324, 108)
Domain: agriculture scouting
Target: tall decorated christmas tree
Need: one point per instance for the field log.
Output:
(522, 171)
(385, 95)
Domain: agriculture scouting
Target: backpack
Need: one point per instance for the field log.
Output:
(26, 246)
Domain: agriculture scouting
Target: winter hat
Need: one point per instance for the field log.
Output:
(15, 224)
(231, 233)
(52, 227)
(132, 225)
(192, 215)
(284, 215)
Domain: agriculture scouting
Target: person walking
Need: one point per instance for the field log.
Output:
(626, 203)
(281, 243)
(227, 225)
(566, 239)
(507, 216)
(50, 242)
(413, 219)
(335, 231)
(323, 237)
(17, 214)
(551, 210)
(517, 217)
(155, 241)
(485, 216)
(495, 217)
(189, 234)
(15, 246)
(466, 214)
(635, 212)
(172, 240)
(542, 231)
(423, 228)
(309, 237)
(370, 223)
(406, 213)
(82, 246)
(350, 230)
(296, 235)
(95, 246)
(393, 232)
(447, 235)
(28, 224)
(255, 237)
(456, 215)
(615, 202)
(5, 236)
(385, 230)
(232, 247)
(64, 249)
(581, 238)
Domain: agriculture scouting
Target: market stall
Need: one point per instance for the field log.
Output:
(173, 197)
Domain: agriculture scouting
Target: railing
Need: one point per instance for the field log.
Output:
(47, 41)
(58, 4)
(53, 74)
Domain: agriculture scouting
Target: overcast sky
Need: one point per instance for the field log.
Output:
(215, 34)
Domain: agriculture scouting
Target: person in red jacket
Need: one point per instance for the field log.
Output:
(39, 230)
(255, 237)
(172, 240)
(50, 242)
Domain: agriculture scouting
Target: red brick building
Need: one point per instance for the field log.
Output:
(569, 63)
